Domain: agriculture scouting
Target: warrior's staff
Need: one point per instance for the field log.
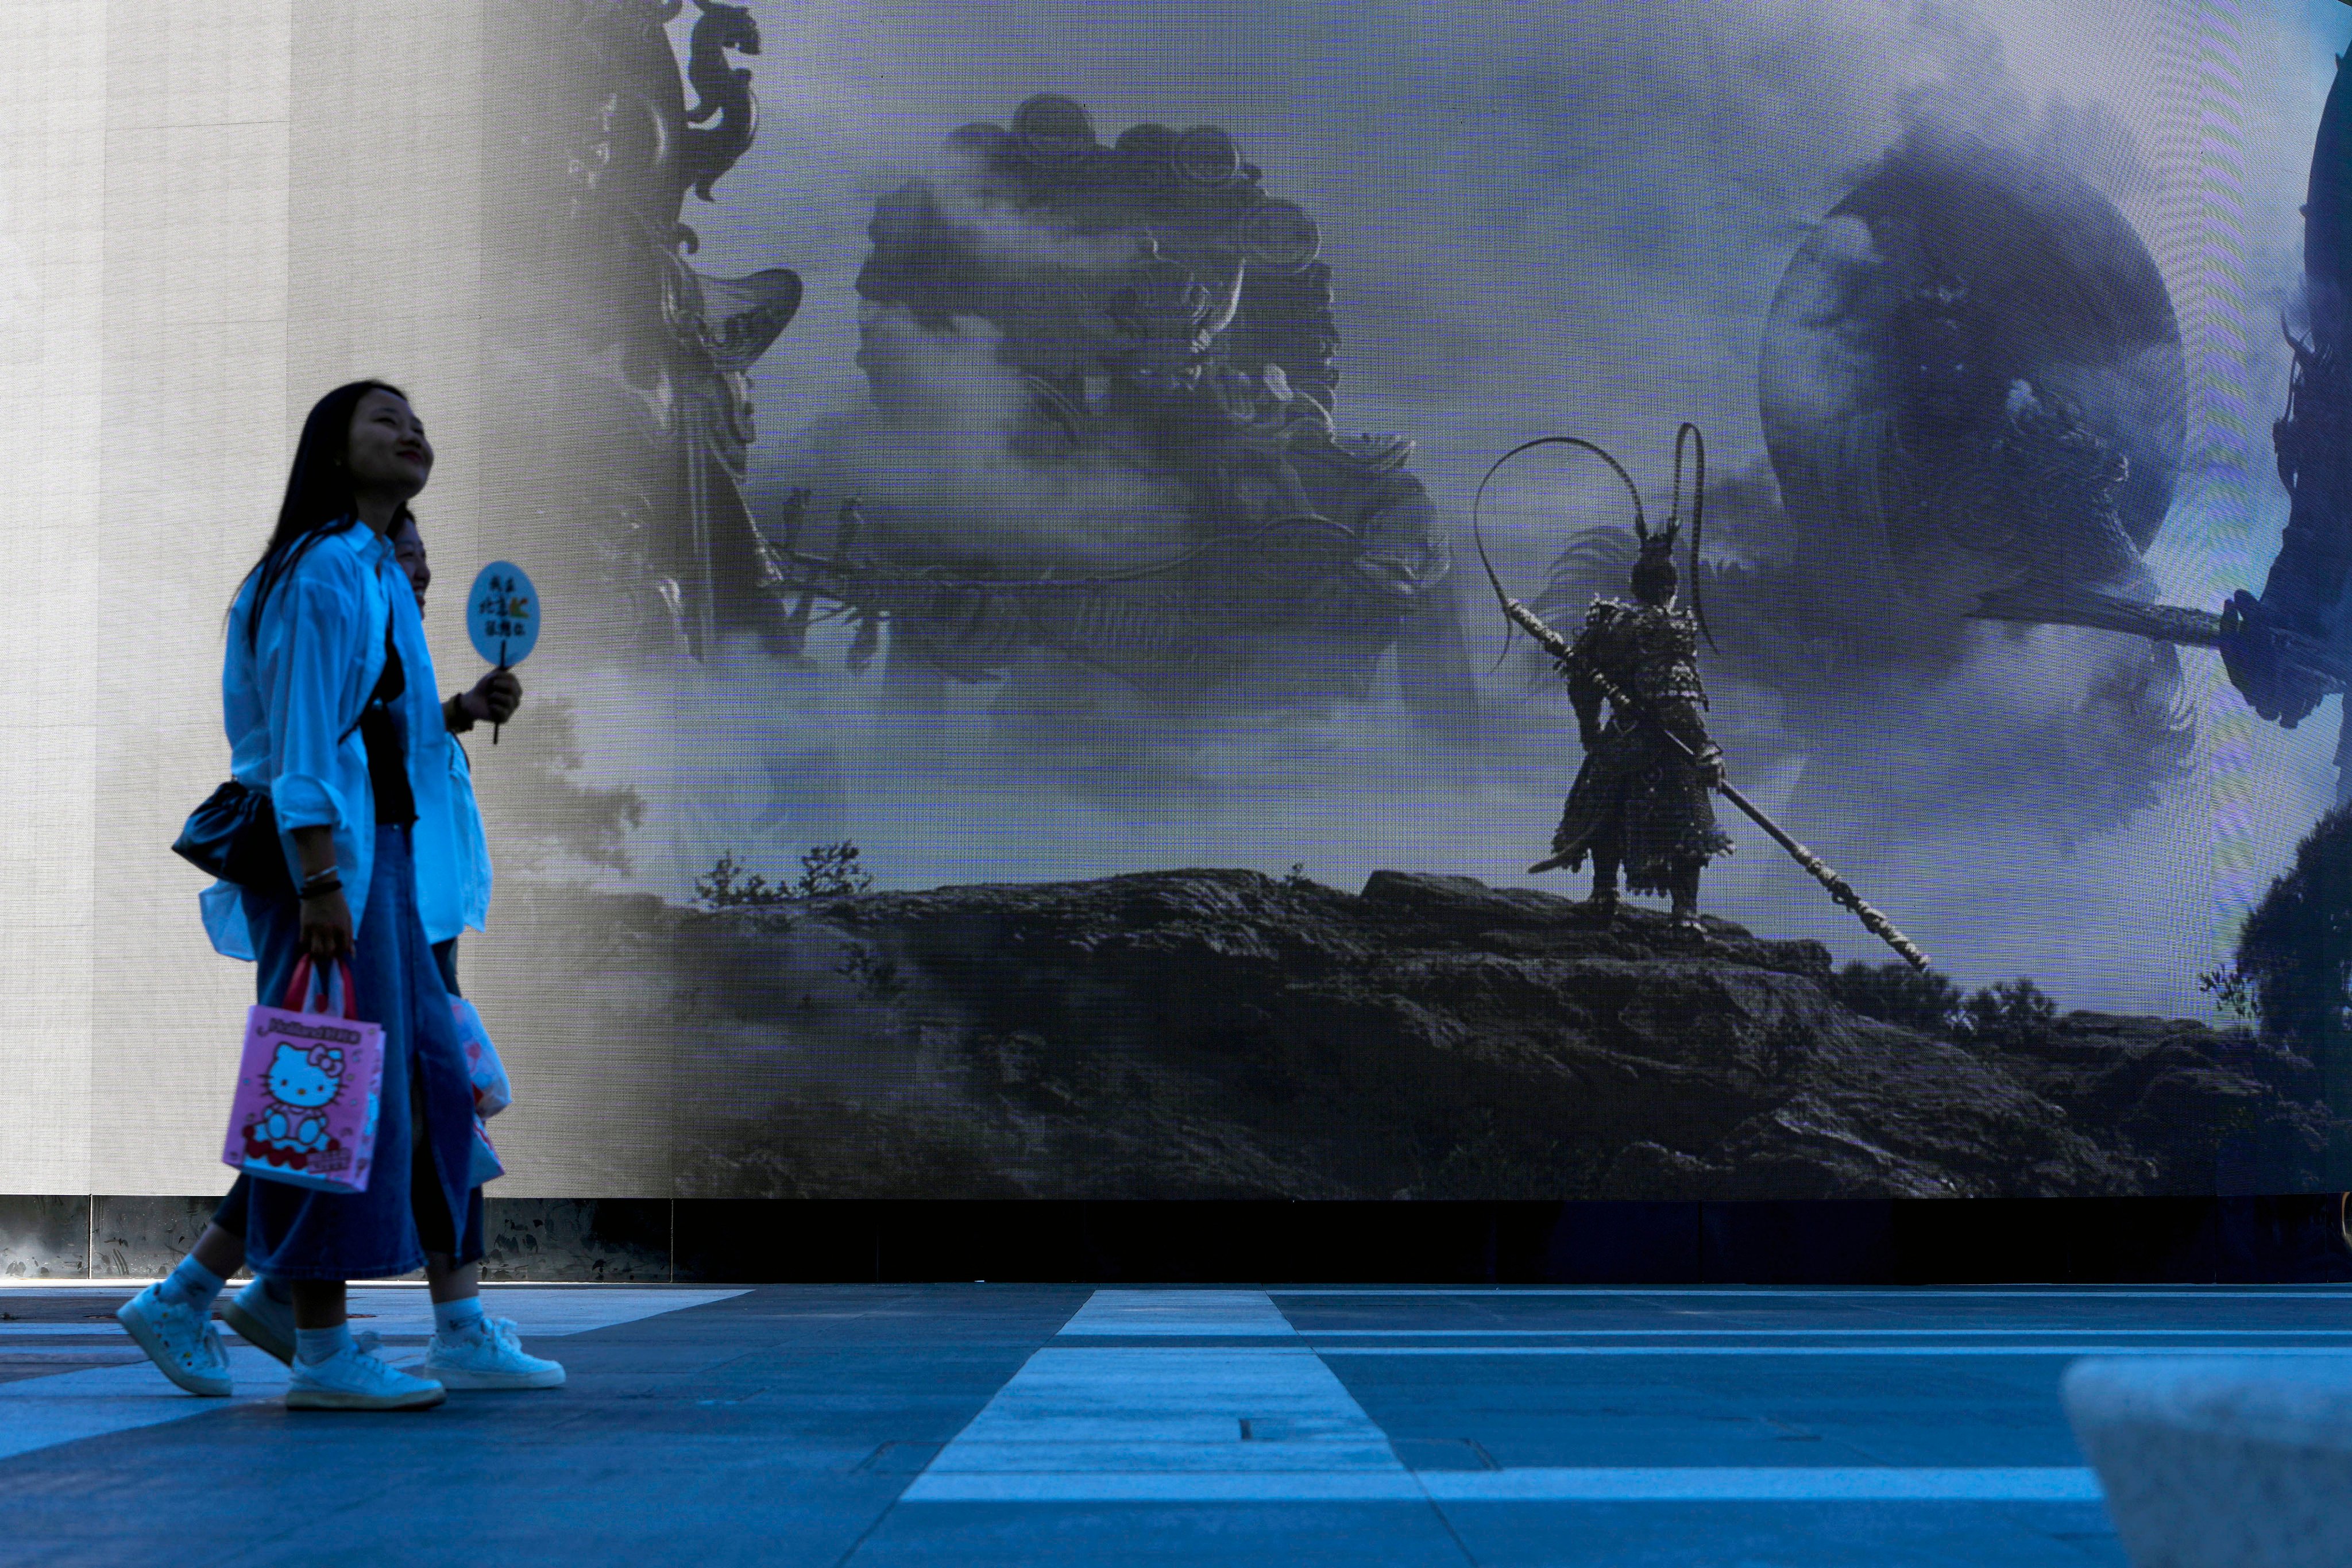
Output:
(1561, 649)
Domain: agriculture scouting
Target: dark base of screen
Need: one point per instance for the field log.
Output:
(2289, 1240)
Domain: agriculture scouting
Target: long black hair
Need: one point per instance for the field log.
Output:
(319, 499)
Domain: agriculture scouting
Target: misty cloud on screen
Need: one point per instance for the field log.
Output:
(1559, 222)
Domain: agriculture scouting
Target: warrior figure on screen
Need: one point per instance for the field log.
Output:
(1642, 806)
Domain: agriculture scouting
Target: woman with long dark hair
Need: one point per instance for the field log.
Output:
(332, 712)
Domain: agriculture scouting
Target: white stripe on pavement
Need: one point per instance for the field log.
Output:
(1150, 1410)
(63, 1407)
(1202, 1313)
(2033, 1484)
(1883, 1294)
(2051, 1484)
(1792, 1351)
(396, 1311)
(2022, 1333)
(1211, 1485)
(1696, 1484)
(1143, 1422)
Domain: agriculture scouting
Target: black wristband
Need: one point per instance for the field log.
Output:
(454, 716)
(330, 880)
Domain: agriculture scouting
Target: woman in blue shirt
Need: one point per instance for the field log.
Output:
(332, 712)
(169, 1318)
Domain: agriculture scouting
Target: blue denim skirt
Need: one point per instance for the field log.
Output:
(296, 1232)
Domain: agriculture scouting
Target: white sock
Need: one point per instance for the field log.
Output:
(455, 1318)
(312, 1346)
(192, 1284)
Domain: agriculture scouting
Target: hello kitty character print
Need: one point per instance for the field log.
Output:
(292, 1130)
(309, 1088)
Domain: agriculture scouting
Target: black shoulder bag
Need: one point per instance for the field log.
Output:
(234, 837)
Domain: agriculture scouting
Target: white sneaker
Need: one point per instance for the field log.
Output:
(262, 1320)
(489, 1356)
(185, 1347)
(356, 1379)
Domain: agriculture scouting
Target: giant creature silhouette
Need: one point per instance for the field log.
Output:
(1972, 379)
(1166, 327)
(2290, 647)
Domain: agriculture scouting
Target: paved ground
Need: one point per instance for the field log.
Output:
(1020, 1424)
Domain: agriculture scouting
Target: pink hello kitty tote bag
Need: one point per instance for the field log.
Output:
(307, 1091)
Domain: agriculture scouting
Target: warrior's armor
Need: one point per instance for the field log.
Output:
(1639, 803)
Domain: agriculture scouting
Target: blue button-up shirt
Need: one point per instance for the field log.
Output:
(291, 698)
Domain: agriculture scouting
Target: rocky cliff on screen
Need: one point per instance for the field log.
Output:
(1224, 1034)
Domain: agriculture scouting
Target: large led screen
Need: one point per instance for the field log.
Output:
(1729, 600)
